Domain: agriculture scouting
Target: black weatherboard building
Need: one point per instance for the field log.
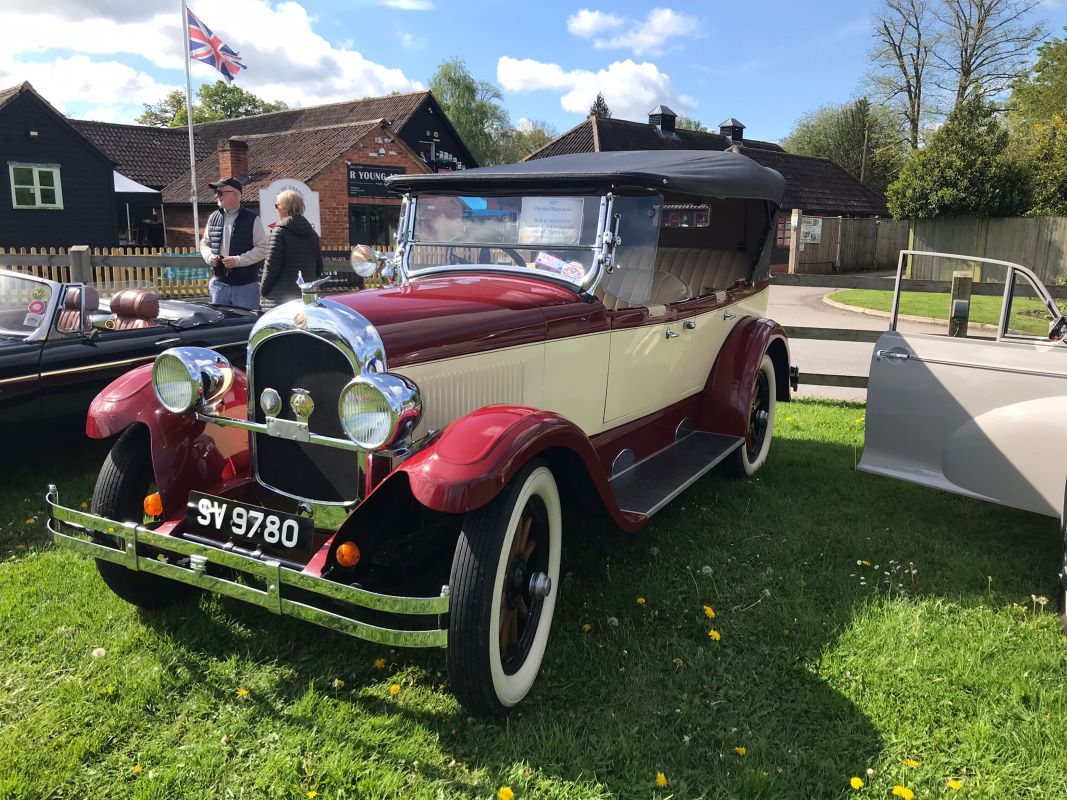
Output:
(56, 187)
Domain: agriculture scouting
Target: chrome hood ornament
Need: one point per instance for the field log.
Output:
(309, 292)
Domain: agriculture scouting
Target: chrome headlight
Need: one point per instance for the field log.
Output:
(379, 410)
(189, 377)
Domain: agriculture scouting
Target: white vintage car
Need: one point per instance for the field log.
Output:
(980, 412)
(575, 333)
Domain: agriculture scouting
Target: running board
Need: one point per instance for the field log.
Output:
(649, 485)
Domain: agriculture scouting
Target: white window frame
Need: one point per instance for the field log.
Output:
(36, 187)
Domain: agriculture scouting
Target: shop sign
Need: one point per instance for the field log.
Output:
(368, 180)
(269, 196)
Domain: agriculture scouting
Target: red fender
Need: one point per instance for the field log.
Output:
(186, 454)
(477, 455)
(728, 391)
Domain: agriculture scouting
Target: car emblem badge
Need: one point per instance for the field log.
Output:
(300, 320)
(271, 402)
(302, 404)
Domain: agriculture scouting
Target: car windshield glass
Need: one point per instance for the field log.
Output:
(549, 234)
(23, 303)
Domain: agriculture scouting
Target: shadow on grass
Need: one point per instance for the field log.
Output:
(646, 689)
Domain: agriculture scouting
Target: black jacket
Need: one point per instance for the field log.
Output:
(293, 247)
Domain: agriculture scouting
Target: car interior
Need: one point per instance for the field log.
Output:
(131, 309)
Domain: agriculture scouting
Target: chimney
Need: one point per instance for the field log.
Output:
(663, 118)
(233, 158)
(732, 130)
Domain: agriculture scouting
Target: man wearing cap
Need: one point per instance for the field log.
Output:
(234, 245)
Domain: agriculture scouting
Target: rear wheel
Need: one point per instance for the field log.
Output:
(505, 576)
(121, 487)
(746, 460)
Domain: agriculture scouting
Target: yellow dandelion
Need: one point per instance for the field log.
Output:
(859, 420)
(715, 635)
(312, 793)
(338, 683)
(709, 612)
(661, 780)
(394, 689)
(586, 628)
(911, 762)
(242, 691)
(741, 751)
(136, 769)
(84, 505)
(505, 793)
(677, 661)
(954, 784)
(29, 521)
(640, 601)
(379, 663)
(788, 419)
(903, 792)
(865, 562)
(110, 530)
(856, 783)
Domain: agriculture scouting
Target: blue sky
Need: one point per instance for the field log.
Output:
(764, 62)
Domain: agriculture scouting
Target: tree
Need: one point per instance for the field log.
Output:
(906, 37)
(518, 142)
(473, 107)
(600, 109)
(862, 138)
(690, 124)
(219, 100)
(1048, 160)
(1038, 97)
(964, 170)
(987, 45)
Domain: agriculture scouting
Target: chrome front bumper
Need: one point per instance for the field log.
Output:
(270, 573)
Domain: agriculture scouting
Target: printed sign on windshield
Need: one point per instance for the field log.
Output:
(551, 220)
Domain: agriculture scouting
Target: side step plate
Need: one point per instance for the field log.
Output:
(649, 485)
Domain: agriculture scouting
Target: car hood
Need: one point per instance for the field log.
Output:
(448, 316)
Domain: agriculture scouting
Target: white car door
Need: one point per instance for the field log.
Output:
(983, 415)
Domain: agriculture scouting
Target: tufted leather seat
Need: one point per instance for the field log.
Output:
(662, 287)
(68, 317)
(133, 308)
(705, 271)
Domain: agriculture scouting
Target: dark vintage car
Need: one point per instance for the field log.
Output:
(575, 334)
(56, 355)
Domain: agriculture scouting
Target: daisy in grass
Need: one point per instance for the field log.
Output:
(661, 780)
(856, 783)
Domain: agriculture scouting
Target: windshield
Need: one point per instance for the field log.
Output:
(551, 234)
(23, 305)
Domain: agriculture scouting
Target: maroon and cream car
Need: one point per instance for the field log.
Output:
(580, 333)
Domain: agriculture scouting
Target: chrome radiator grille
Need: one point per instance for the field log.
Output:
(299, 360)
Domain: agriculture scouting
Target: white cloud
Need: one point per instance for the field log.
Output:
(287, 59)
(588, 24)
(410, 41)
(631, 89)
(652, 35)
(409, 5)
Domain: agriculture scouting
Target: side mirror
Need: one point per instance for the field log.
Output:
(366, 260)
(1057, 329)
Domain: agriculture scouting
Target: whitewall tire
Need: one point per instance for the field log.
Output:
(751, 455)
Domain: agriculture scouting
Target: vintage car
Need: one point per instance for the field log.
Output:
(60, 344)
(978, 412)
(571, 334)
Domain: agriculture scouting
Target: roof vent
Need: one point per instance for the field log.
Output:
(663, 118)
(732, 130)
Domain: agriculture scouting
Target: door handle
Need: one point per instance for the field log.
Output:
(727, 315)
(168, 342)
(672, 334)
(689, 325)
(892, 355)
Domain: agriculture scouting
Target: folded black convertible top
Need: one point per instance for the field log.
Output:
(706, 173)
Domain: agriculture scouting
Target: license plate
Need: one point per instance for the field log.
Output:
(242, 522)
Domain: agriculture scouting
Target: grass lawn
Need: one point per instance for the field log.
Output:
(1028, 316)
(835, 658)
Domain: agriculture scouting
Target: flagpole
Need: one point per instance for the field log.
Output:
(189, 121)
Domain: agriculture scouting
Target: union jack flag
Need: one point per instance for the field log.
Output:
(209, 48)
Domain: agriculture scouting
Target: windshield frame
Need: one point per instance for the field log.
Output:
(58, 291)
(602, 248)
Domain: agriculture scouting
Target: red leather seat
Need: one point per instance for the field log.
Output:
(132, 309)
(68, 317)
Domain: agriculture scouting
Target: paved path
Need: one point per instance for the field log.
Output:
(802, 306)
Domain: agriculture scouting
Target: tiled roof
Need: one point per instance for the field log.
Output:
(299, 154)
(13, 92)
(397, 108)
(152, 156)
(816, 185)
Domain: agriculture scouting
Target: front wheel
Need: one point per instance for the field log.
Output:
(504, 581)
(120, 490)
(746, 460)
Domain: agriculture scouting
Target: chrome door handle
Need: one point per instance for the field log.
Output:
(168, 342)
(892, 355)
(672, 334)
(689, 325)
(727, 315)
